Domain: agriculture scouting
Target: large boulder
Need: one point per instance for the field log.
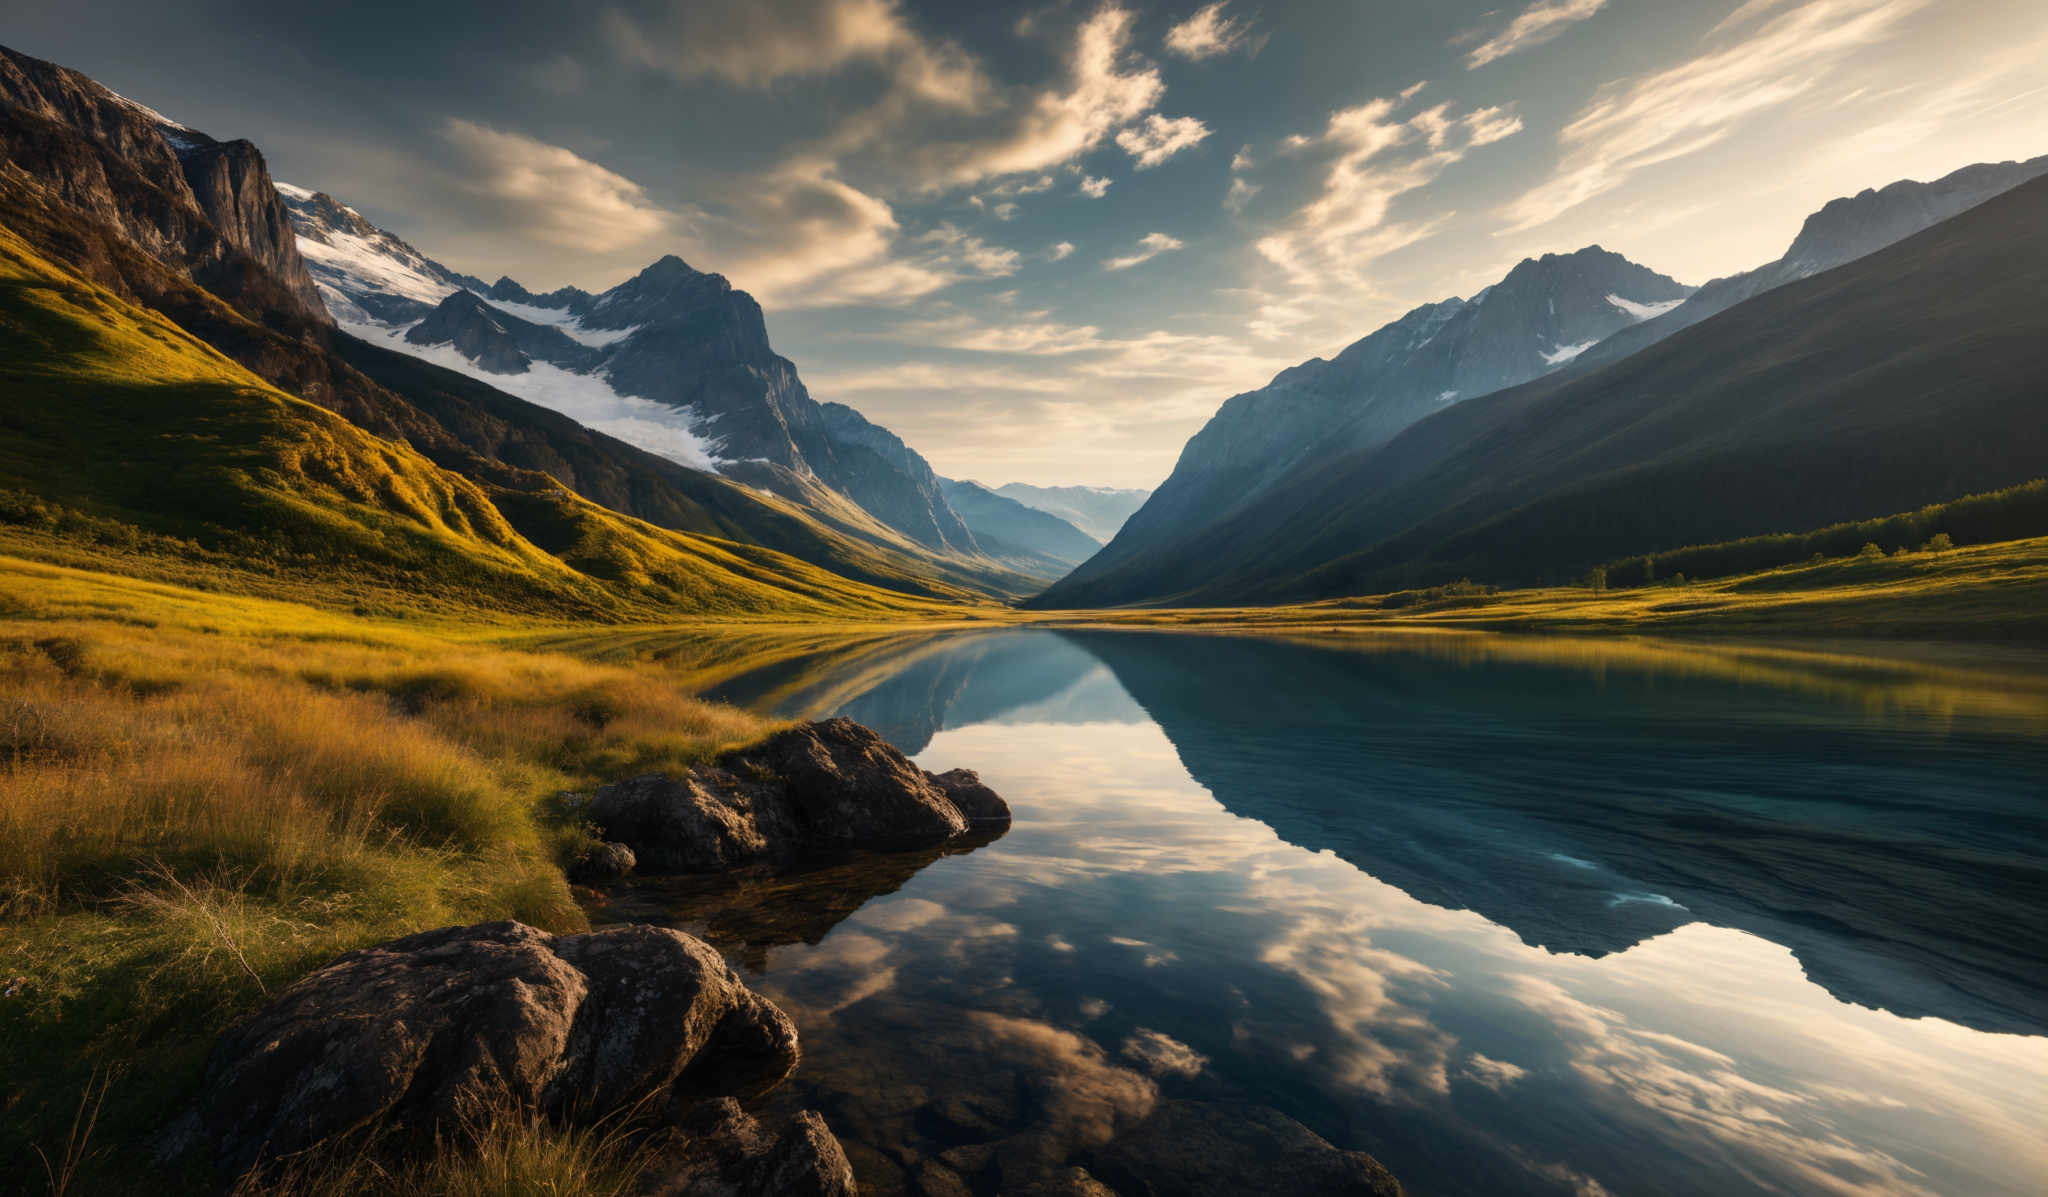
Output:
(435, 1030)
(816, 789)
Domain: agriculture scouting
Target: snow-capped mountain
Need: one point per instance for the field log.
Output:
(673, 359)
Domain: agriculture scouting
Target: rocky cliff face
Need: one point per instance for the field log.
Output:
(1544, 313)
(205, 206)
(337, 243)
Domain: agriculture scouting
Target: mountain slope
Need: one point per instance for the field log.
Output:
(1029, 538)
(1911, 375)
(1099, 511)
(1842, 231)
(1542, 314)
(114, 412)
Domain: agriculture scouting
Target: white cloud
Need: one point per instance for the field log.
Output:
(553, 194)
(1637, 123)
(1004, 211)
(1150, 246)
(764, 41)
(1158, 138)
(1093, 186)
(1062, 250)
(1324, 250)
(1240, 195)
(1536, 24)
(1208, 33)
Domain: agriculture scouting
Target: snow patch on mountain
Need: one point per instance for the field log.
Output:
(533, 313)
(1564, 353)
(1644, 311)
(587, 399)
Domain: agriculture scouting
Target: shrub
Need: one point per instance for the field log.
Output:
(1940, 543)
(1869, 550)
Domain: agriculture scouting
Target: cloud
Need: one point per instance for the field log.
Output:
(1161, 1054)
(1158, 138)
(552, 194)
(1101, 89)
(1150, 246)
(1004, 211)
(1634, 124)
(1536, 24)
(1093, 186)
(1239, 196)
(1062, 250)
(1209, 33)
(1323, 251)
(801, 238)
(762, 42)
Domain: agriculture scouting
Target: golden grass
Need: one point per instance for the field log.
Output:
(203, 797)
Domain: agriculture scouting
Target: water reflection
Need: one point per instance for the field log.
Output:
(1512, 923)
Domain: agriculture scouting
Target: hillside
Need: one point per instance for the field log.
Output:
(130, 432)
(1909, 376)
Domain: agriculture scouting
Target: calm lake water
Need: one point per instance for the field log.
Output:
(1515, 916)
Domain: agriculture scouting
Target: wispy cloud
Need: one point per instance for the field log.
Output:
(1533, 26)
(1063, 250)
(1637, 123)
(1209, 33)
(553, 194)
(1093, 186)
(1325, 250)
(1150, 246)
(1158, 138)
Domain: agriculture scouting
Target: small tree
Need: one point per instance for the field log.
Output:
(1870, 549)
(1596, 578)
(1940, 543)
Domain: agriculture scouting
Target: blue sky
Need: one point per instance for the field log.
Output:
(1044, 242)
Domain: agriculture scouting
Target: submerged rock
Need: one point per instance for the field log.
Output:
(436, 1030)
(1224, 1149)
(718, 1150)
(816, 789)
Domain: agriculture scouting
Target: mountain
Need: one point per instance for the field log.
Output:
(365, 273)
(680, 357)
(1033, 540)
(206, 207)
(1098, 511)
(135, 231)
(1542, 314)
(1843, 230)
(129, 431)
(1908, 376)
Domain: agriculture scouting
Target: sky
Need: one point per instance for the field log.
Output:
(1044, 242)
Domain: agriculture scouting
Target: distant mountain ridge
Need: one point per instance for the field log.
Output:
(1016, 531)
(1098, 511)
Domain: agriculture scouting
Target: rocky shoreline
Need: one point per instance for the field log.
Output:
(414, 1044)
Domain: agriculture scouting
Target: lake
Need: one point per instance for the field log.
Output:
(1514, 915)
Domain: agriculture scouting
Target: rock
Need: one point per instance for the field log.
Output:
(441, 1027)
(850, 788)
(817, 789)
(718, 1150)
(606, 862)
(963, 788)
(1224, 1149)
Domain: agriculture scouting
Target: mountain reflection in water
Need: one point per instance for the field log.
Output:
(1512, 915)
